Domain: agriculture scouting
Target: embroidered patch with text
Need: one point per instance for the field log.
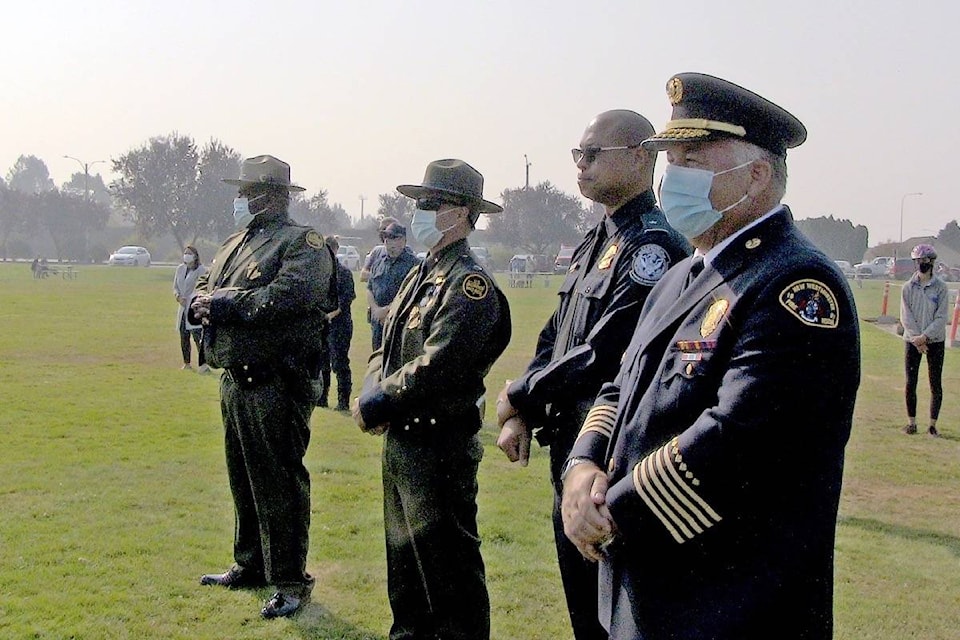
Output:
(812, 302)
(475, 287)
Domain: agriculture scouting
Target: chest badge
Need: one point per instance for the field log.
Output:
(649, 265)
(475, 287)
(607, 259)
(414, 320)
(253, 271)
(713, 318)
(314, 239)
(812, 302)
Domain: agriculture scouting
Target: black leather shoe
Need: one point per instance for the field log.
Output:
(233, 579)
(281, 605)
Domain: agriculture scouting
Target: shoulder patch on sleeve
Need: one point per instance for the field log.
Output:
(475, 287)
(314, 239)
(649, 264)
(812, 302)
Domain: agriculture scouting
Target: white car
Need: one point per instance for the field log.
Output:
(846, 268)
(130, 257)
(349, 257)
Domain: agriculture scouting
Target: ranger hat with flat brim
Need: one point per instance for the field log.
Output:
(707, 108)
(452, 180)
(265, 171)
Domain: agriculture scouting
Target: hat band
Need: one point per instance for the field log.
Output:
(712, 125)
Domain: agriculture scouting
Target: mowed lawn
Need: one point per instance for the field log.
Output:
(114, 498)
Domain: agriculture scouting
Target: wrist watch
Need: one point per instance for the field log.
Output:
(570, 464)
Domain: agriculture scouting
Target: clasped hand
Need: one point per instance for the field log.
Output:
(586, 518)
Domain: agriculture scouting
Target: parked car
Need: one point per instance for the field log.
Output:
(564, 256)
(947, 273)
(877, 268)
(130, 257)
(846, 268)
(483, 256)
(349, 257)
(901, 269)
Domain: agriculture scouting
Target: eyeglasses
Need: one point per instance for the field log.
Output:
(589, 154)
(433, 203)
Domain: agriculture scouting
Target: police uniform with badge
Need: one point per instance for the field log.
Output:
(263, 305)
(723, 435)
(445, 328)
(580, 348)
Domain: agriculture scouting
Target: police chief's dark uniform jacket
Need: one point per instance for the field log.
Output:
(446, 327)
(724, 437)
(270, 296)
(603, 298)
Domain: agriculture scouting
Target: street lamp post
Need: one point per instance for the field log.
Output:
(86, 173)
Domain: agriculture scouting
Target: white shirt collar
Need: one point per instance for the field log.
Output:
(715, 251)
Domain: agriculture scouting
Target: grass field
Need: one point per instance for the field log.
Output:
(114, 497)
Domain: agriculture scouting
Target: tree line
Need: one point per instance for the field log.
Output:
(170, 186)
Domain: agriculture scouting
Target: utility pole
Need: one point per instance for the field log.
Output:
(362, 198)
(86, 174)
(528, 164)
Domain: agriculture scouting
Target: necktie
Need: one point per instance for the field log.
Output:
(696, 267)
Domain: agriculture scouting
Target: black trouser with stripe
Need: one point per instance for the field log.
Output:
(267, 431)
(435, 574)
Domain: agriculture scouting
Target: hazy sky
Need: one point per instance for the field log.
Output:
(359, 96)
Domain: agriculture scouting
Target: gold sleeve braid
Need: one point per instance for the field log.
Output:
(601, 419)
(667, 486)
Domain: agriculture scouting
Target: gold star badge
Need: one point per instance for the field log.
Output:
(752, 243)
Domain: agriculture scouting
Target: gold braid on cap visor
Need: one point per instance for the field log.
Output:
(702, 123)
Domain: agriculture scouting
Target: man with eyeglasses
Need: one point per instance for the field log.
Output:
(611, 273)
(443, 332)
(706, 477)
(388, 271)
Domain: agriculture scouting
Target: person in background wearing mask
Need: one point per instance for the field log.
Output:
(184, 282)
(378, 250)
(611, 273)
(386, 274)
(924, 305)
(443, 332)
(263, 305)
(337, 354)
(699, 480)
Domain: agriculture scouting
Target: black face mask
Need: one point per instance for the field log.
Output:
(926, 267)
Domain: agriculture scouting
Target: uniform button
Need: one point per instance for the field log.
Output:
(245, 367)
(432, 421)
(406, 427)
(611, 466)
(689, 368)
(416, 421)
(249, 379)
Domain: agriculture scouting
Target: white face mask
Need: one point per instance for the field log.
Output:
(188, 258)
(241, 211)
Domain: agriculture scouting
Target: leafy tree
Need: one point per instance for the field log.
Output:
(539, 218)
(837, 238)
(68, 218)
(80, 184)
(318, 213)
(396, 206)
(950, 235)
(213, 205)
(29, 174)
(14, 217)
(157, 188)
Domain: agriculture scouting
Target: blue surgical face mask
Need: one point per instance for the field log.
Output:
(241, 211)
(685, 199)
(423, 227)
